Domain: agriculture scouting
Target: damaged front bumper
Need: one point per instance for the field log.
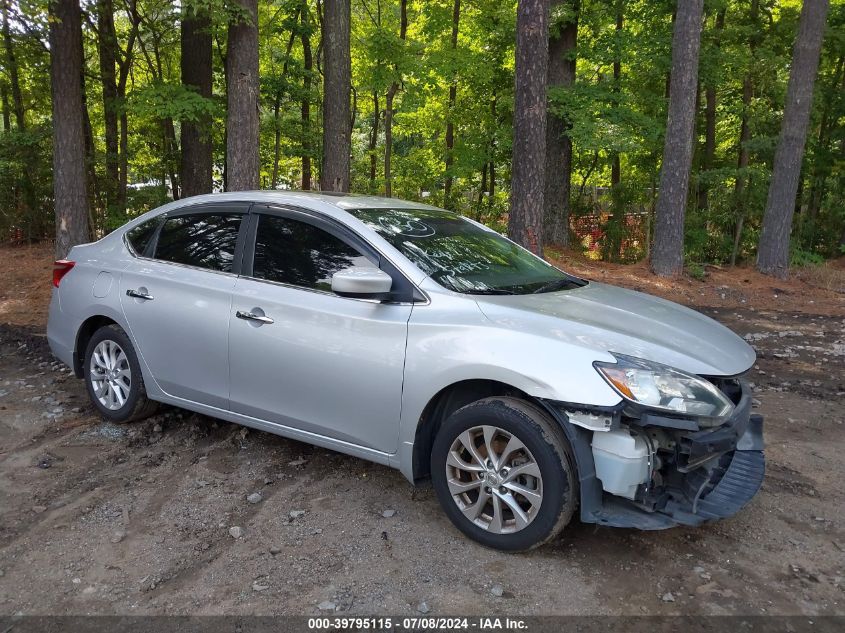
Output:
(692, 475)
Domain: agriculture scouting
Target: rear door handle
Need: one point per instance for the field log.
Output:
(139, 295)
(249, 316)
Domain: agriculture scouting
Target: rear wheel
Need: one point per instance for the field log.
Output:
(113, 377)
(503, 473)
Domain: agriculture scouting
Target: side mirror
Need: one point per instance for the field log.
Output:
(361, 282)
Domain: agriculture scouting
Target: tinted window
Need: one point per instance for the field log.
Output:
(139, 236)
(300, 254)
(464, 256)
(206, 240)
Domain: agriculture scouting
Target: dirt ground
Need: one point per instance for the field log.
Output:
(138, 519)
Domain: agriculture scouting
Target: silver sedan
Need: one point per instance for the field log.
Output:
(417, 338)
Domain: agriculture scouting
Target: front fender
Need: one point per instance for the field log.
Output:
(444, 349)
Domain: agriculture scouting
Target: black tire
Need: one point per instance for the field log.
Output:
(549, 449)
(136, 406)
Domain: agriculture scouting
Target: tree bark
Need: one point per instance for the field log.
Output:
(168, 133)
(745, 132)
(196, 165)
(388, 107)
(450, 113)
(613, 248)
(107, 47)
(337, 86)
(374, 142)
(305, 106)
(710, 116)
(7, 110)
(773, 248)
(558, 178)
(13, 71)
(667, 257)
(30, 202)
(69, 174)
(494, 115)
(525, 222)
(277, 104)
(242, 96)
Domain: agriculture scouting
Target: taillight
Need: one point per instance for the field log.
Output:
(60, 269)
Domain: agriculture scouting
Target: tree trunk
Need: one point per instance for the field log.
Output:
(450, 112)
(745, 132)
(667, 257)
(337, 86)
(277, 104)
(30, 202)
(525, 223)
(197, 163)
(107, 45)
(822, 168)
(710, 117)
(13, 71)
(242, 96)
(171, 159)
(7, 114)
(558, 179)
(773, 248)
(481, 191)
(305, 106)
(69, 175)
(388, 107)
(277, 138)
(124, 67)
(374, 143)
(613, 250)
(494, 115)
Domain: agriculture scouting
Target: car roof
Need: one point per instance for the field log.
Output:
(343, 201)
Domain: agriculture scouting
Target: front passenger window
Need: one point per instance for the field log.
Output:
(300, 254)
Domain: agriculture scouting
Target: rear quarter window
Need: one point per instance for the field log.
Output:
(138, 237)
(201, 240)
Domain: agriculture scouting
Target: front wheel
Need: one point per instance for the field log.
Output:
(113, 377)
(503, 473)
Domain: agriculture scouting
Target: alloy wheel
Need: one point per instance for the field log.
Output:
(111, 376)
(494, 479)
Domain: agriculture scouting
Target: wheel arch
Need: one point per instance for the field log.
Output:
(83, 335)
(445, 402)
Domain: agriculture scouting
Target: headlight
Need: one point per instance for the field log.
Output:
(665, 388)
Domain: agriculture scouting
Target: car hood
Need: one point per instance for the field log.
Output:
(611, 319)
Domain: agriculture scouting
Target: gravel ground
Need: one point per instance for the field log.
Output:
(181, 514)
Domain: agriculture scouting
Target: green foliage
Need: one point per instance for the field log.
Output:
(799, 257)
(170, 101)
(608, 116)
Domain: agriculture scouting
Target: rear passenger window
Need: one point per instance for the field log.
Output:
(204, 240)
(139, 236)
(300, 254)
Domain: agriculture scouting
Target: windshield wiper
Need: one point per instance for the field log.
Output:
(493, 291)
(557, 284)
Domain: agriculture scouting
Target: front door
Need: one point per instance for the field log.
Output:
(313, 360)
(177, 301)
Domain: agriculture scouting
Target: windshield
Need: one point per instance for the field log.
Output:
(464, 256)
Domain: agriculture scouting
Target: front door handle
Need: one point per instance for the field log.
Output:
(249, 316)
(139, 295)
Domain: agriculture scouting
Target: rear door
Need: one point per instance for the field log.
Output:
(316, 361)
(177, 298)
